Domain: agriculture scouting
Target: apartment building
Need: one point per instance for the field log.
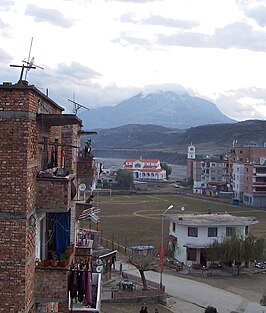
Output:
(38, 156)
(248, 167)
(207, 172)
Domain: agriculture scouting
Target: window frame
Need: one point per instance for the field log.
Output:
(192, 231)
(212, 231)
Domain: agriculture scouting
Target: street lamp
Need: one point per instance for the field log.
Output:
(162, 248)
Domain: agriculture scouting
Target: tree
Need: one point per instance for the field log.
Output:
(124, 179)
(237, 249)
(143, 262)
(167, 168)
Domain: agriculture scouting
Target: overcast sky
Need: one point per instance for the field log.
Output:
(100, 52)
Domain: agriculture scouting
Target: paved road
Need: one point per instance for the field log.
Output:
(188, 296)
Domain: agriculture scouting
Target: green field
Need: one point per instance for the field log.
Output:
(136, 219)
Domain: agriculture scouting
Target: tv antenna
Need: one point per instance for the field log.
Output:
(29, 65)
(77, 106)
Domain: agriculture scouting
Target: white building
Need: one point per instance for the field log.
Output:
(192, 234)
(145, 169)
(238, 180)
(208, 170)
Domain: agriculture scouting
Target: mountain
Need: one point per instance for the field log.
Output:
(170, 145)
(164, 108)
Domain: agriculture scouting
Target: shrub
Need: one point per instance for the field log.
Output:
(210, 309)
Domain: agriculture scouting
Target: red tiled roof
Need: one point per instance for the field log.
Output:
(143, 160)
(148, 166)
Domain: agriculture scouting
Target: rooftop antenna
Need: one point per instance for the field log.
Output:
(77, 106)
(30, 65)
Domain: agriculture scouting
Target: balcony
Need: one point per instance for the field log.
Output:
(55, 191)
(52, 278)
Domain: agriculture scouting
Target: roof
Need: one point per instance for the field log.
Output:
(24, 85)
(130, 169)
(212, 220)
(170, 238)
(196, 246)
(143, 160)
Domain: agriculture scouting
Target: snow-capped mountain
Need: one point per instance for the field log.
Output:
(164, 108)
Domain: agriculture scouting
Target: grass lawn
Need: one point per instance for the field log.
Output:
(136, 219)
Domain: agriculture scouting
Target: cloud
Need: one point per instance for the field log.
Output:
(6, 4)
(236, 35)
(133, 1)
(158, 21)
(126, 39)
(128, 18)
(4, 29)
(258, 14)
(244, 103)
(77, 71)
(5, 57)
(51, 16)
(168, 22)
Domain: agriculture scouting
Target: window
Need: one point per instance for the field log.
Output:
(212, 232)
(192, 232)
(246, 230)
(173, 227)
(229, 231)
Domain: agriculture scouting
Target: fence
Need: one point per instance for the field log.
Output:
(107, 243)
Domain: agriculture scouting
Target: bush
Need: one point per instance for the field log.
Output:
(210, 309)
(263, 300)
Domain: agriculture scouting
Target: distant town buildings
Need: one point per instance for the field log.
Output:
(145, 169)
(240, 175)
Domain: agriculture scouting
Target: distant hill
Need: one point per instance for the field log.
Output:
(164, 108)
(170, 145)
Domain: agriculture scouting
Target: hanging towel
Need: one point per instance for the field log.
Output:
(88, 292)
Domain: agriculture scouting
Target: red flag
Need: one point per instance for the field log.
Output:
(62, 158)
(162, 258)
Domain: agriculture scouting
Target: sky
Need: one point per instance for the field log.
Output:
(101, 52)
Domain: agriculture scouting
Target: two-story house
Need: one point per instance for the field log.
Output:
(145, 169)
(192, 234)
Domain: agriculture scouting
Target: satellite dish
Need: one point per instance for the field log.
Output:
(99, 268)
(82, 187)
(182, 209)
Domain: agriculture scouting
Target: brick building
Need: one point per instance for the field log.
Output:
(248, 172)
(38, 156)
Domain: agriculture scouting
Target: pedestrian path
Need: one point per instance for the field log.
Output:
(191, 296)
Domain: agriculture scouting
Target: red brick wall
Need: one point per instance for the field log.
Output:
(51, 283)
(248, 173)
(53, 194)
(19, 164)
(12, 264)
(85, 166)
(70, 141)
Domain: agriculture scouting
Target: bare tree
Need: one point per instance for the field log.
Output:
(144, 262)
